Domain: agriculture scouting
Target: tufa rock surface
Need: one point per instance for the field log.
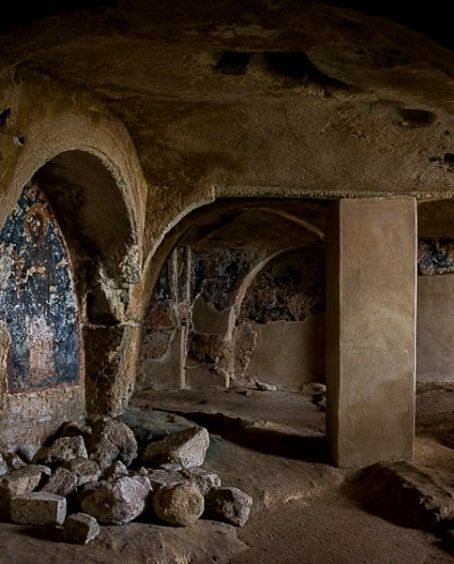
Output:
(38, 508)
(187, 448)
(182, 504)
(228, 504)
(23, 480)
(118, 502)
(80, 528)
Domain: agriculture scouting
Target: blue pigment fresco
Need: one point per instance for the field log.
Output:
(38, 304)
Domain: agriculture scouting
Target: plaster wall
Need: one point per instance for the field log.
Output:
(289, 353)
(435, 327)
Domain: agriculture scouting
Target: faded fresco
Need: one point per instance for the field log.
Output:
(38, 304)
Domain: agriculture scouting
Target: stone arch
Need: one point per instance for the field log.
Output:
(85, 163)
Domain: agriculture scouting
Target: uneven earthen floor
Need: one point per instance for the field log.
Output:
(301, 513)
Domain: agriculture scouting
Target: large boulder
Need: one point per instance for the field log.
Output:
(111, 440)
(62, 450)
(182, 504)
(228, 504)
(118, 502)
(187, 449)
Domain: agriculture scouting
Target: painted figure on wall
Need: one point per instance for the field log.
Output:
(38, 304)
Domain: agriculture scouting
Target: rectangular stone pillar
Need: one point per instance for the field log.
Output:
(371, 329)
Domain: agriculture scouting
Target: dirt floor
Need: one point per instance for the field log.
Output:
(270, 445)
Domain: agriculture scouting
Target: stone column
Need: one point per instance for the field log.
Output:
(371, 329)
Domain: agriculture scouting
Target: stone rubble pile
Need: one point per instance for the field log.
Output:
(90, 475)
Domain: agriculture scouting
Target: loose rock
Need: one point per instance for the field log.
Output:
(62, 450)
(15, 462)
(179, 505)
(3, 466)
(63, 482)
(85, 469)
(74, 428)
(118, 502)
(228, 504)
(187, 448)
(81, 528)
(203, 479)
(38, 508)
(23, 480)
(163, 478)
(115, 470)
(112, 440)
(264, 386)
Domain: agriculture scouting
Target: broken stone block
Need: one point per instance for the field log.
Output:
(228, 504)
(203, 479)
(182, 504)
(162, 478)
(62, 450)
(187, 448)
(115, 470)
(81, 528)
(23, 480)
(62, 482)
(264, 386)
(3, 466)
(112, 440)
(412, 495)
(38, 508)
(85, 469)
(118, 502)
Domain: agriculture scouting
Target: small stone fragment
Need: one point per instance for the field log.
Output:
(81, 528)
(62, 450)
(111, 440)
(187, 448)
(182, 504)
(15, 462)
(38, 508)
(163, 478)
(264, 386)
(203, 479)
(23, 480)
(3, 466)
(85, 469)
(228, 504)
(62, 482)
(115, 470)
(119, 501)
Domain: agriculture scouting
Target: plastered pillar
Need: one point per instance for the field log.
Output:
(371, 329)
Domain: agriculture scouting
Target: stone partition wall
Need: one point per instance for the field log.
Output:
(435, 319)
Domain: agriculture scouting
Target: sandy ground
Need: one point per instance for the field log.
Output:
(271, 446)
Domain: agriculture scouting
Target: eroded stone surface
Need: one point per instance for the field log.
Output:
(228, 504)
(118, 502)
(187, 448)
(81, 528)
(38, 508)
(182, 504)
(203, 479)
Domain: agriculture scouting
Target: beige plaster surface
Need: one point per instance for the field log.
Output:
(371, 320)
